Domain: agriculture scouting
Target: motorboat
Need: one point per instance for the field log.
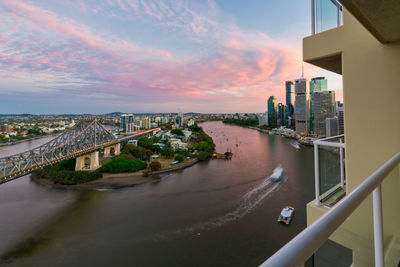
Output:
(296, 145)
(286, 215)
(277, 174)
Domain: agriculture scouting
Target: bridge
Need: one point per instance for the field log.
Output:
(83, 141)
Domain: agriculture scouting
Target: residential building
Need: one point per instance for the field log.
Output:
(324, 107)
(177, 143)
(263, 119)
(125, 119)
(146, 123)
(302, 108)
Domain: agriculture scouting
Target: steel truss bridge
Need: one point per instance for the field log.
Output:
(87, 136)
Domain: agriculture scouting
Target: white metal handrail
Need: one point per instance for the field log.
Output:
(300, 248)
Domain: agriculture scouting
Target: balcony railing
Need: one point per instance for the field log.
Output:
(329, 163)
(325, 15)
(300, 248)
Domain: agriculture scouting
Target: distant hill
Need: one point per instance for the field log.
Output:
(114, 114)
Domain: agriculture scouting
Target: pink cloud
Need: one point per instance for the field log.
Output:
(243, 70)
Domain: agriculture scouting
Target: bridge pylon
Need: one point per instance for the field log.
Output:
(89, 162)
(116, 148)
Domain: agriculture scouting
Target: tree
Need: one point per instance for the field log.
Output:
(167, 152)
(145, 142)
(204, 146)
(155, 165)
(203, 156)
(195, 128)
(155, 149)
(137, 152)
(178, 132)
(179, 158)
(123, 165)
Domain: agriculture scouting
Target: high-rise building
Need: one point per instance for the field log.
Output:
(139, 123)
(331, 126)
(125, 119)
(302, 108)
(263, 119)
(324, 107)
(272, 116)
(130, 127)
(290, 97)
(340, 116)
(283, 115)
(317, 84)
(146, 123)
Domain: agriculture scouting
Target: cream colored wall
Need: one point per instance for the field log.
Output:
(371, 94)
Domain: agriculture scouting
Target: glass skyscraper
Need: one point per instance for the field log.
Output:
(272, 116)
(290, 97)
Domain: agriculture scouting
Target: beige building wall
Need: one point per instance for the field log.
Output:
(371, 95)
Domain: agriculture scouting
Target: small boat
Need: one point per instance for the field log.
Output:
(286, 215)
(277, 174)
(296, 145)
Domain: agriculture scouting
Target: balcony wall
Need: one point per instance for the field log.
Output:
(371, 91)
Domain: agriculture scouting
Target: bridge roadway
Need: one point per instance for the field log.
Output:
(16, 166)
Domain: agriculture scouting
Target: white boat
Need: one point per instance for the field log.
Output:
(286, 215)
(277, 174)
(295, 145)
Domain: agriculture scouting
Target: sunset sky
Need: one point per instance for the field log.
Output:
(100, 56)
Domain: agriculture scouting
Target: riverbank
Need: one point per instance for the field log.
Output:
(116, 180)
(284, 132)
(26, 140)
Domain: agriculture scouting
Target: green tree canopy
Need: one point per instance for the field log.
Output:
(178, 132)
(167, 152)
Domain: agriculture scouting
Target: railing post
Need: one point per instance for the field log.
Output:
(337, 16)
(316, 174)
(312, 17)
(378, 228)
(341, 165)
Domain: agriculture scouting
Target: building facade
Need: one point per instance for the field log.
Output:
(302, 109)
(317, 84)
(324, 107)
(272, 113)
(290, 97)
(331, 127)
(365, 50)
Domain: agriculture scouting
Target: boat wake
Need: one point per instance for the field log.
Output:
(247, 203)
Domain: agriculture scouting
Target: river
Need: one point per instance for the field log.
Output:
(215, 213)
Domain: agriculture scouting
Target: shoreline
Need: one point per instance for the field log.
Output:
(26, 140)
(111, 181)
(270, 132)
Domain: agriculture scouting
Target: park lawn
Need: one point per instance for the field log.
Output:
(165, 161)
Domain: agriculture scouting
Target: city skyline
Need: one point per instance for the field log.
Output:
(132, 56)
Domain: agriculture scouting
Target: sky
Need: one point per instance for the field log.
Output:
(100, 56)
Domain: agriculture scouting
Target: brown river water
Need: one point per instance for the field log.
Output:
(215, 213)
